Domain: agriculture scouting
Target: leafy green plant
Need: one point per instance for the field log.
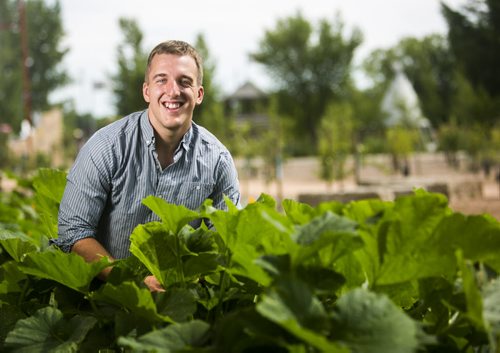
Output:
(367, 276)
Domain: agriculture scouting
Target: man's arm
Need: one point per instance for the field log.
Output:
(91, 250)
(226, 183)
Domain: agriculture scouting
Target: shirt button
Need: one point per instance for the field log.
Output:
(198, 187)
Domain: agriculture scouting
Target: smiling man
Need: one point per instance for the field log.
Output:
(159, 151)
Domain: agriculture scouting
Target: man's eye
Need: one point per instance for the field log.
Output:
(185, 83)
(161, 81)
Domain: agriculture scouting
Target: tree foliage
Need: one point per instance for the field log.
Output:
(474, 35)
(310, 66)
(45, 54)
(429, 66)
(132, 60)
(335, 141)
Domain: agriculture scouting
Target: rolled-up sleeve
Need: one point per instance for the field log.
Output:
(226, 182)
(86, 193)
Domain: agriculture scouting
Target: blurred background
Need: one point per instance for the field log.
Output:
(317, 100)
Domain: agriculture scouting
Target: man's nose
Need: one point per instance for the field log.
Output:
(172, 88)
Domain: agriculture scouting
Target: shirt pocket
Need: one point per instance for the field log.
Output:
(191, 194)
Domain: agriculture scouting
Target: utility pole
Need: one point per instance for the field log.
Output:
(26, 81)
(23, 28)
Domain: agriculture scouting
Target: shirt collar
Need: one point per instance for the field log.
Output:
(149, 136)
(147, 130)
(187, 138)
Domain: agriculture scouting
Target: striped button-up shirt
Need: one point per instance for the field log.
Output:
(118, 167)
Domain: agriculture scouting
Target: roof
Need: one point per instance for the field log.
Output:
(247, 91)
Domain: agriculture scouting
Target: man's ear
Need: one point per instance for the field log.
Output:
(201, 93)
(145, 92)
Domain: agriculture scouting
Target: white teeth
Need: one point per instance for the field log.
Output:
(172, 105)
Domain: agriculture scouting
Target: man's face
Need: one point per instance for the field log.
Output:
(172, 92)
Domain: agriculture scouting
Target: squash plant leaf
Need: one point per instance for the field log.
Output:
(17, 244)
(180, 304)
(330, 222)
(10, 276)
(370, 323)
(477, 236)
(68, 269)
(327, 248)
(128, 295)
(48, 331)
(473, 298)
(258, 224)
(292, 305)
(299, 213)
(245, 263)
(49, 185)
(160, 251)
(173, 216)
(408, 246)
(180, 337)
(263, 227)
(491, 312)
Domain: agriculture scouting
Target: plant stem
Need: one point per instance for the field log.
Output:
(180, 269)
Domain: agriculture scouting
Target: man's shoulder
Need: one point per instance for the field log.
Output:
(208, 139)
(112, 136)
(121, 126)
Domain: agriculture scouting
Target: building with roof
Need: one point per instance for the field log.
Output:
(248, 105)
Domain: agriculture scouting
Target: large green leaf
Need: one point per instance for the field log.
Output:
(477, 236)
(17, 244)
(160, 251)
(137, 301)
(173, 216)
(409, 247)
(258, 225)
(473, 298)
(183, 337)
(245, 263)
(292, 306)
(68, 269)
(47, 331)
(204, 257)
(371, 323)
(327, 222)
(10, 276)
(176, 303)
(327, 249)
(49, 185)
(491, 312)
(297, 212)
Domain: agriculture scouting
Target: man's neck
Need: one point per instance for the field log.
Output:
(166, 145)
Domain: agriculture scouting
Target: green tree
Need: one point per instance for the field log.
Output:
(451, 141)
(429, 66)
(132, 60)
(210, 113)
(401, 141)
(310, 66)
(335, 141)
(204, 113)
(474, 35)
(45, 54)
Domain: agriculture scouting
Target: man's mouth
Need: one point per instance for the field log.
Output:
(172, 105)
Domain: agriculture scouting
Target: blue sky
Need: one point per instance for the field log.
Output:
(231, 28)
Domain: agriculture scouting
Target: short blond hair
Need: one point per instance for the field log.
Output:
(180, 48)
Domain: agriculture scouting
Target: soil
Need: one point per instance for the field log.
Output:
(468, 192)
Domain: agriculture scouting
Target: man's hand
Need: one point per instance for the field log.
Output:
(153, 284)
